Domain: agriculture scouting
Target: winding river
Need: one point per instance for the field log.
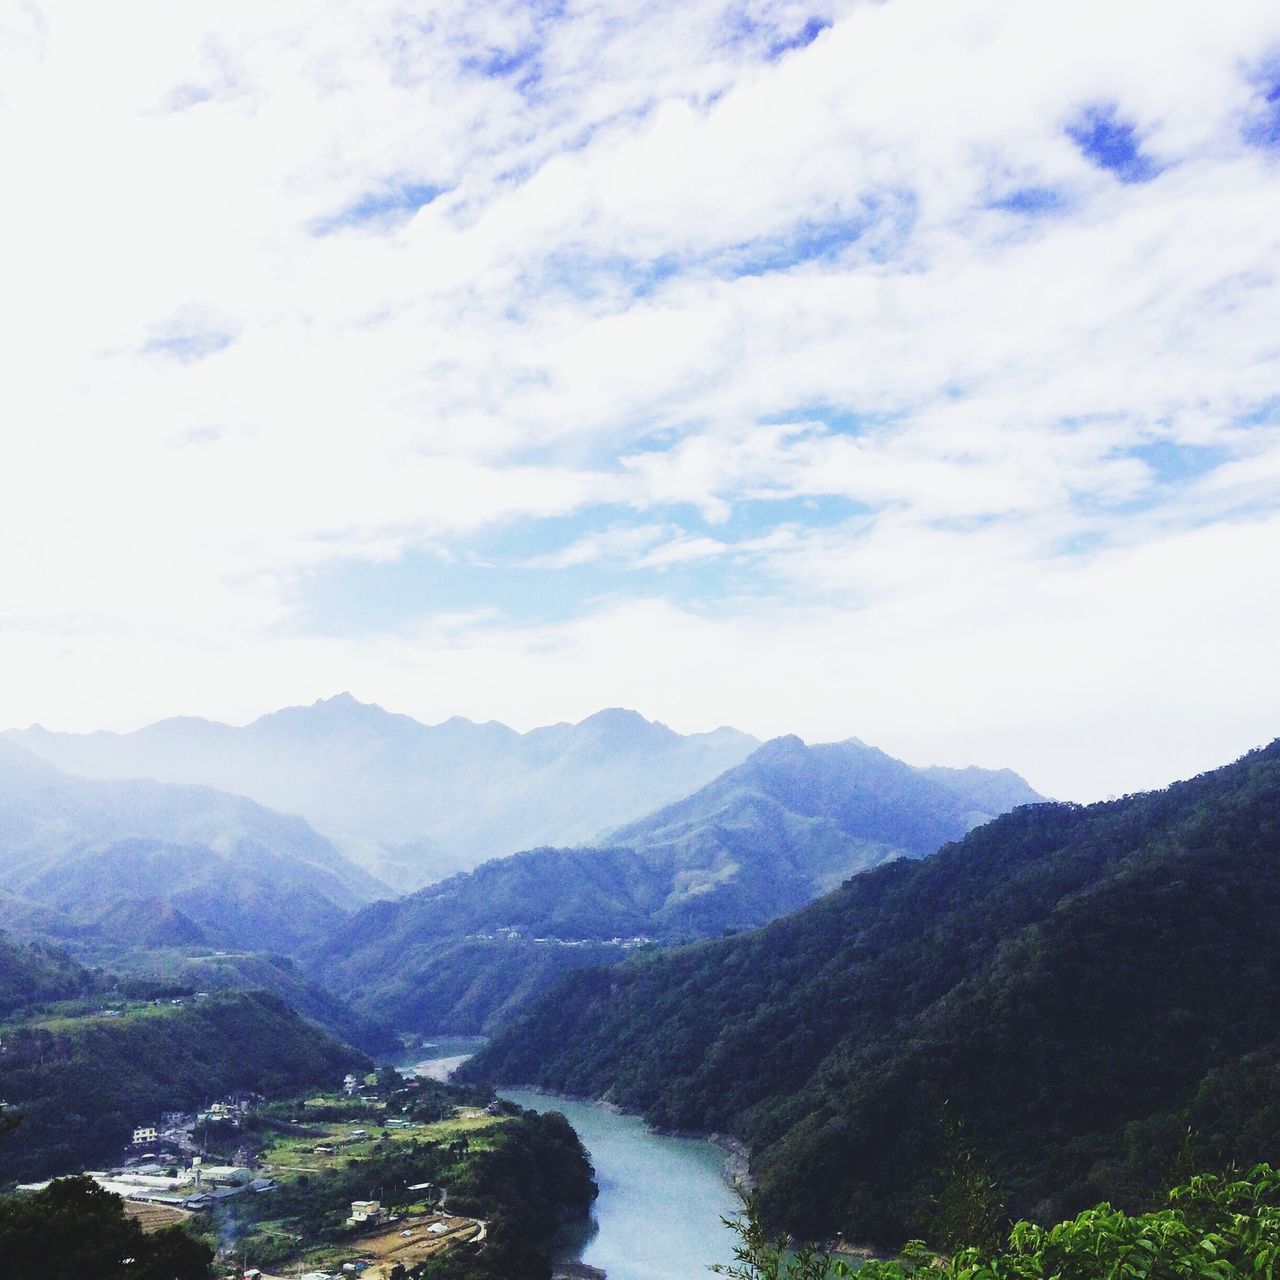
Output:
(661, 1198)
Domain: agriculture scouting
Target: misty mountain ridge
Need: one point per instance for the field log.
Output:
(166, 863)
(413, 802)
(768, 835)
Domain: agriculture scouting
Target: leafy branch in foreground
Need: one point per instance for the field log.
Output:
(759, 1256)
(1215, 1227)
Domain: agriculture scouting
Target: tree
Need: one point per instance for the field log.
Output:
(1214, 1227)
(73, 1229)
(758, 1256)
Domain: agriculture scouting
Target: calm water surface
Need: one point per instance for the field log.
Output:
(658, 1213)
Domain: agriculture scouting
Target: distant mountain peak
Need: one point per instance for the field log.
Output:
(340, 708)
(621, 725)
(611, 716)
(779, 748)
(345, 701)
(414, 801)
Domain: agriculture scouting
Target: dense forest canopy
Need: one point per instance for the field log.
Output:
(1065, 992)
(73, 1229)
(78, 1086)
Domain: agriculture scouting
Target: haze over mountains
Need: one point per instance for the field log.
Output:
(897, 939)
(150, 869)
(160, 864)
(767, 836)
(412, 802)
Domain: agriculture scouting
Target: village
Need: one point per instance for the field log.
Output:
(260, 1178)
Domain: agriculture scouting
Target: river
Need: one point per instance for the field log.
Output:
(658, 1213)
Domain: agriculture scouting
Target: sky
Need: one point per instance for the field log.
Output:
(903, 370)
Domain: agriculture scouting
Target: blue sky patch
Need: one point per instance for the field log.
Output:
(1174, 463)
(807, 34)
(497, 64)
(805, 242)
(758, 517)
(772, 42)
(839, 419)
(189, 346)
(1112, 143)
(1265, 413)
(1031, 201)
(391, 205)
(878, 228)
(1262, 126)
(509, 569)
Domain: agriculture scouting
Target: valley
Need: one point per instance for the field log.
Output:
(638, 641)
(379, 1174)
(864, 974)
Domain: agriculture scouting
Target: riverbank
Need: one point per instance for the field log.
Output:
(734, 1165)
(737, 1162)
(662, 1197)
(736, 1172)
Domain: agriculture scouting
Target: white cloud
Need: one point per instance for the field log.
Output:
(664, 276)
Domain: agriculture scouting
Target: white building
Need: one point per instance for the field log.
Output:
(366, 1211)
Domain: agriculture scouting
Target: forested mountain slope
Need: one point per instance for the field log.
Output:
(165, 864)
(1064, 991)
(78, 1086)
(765, 837)
(416, 802)
(198, 969)
(36, 974)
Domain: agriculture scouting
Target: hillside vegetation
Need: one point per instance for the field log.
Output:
(35, 974)
(1061, 994)
(78, 1085)
(767, 836)
(204, 970)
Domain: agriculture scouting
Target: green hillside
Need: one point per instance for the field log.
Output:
(34, 974)
(78, 1085)
(197, 969)
(767, 836)
(1063, 993)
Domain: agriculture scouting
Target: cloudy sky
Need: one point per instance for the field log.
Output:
(906, 370)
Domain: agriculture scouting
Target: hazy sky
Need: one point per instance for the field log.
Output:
(905, 370)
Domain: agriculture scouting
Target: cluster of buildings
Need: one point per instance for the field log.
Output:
(165, 1164)
(508, 933)
(197, 1186)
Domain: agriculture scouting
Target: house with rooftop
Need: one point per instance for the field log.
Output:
(365, 1213)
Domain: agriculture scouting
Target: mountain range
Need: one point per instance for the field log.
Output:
(1068, 1005)
(149, 863)
(769, 835)
(411, 802)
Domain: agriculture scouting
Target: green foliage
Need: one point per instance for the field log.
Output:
(80, 1089)
(1212, 1228)
(760, 1256)
(37, 974)
(762, 839)
(262, 971)
(966, 1209)
(73, 1229)
(534, 1176)
(530, 1174)
(1080, 985)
